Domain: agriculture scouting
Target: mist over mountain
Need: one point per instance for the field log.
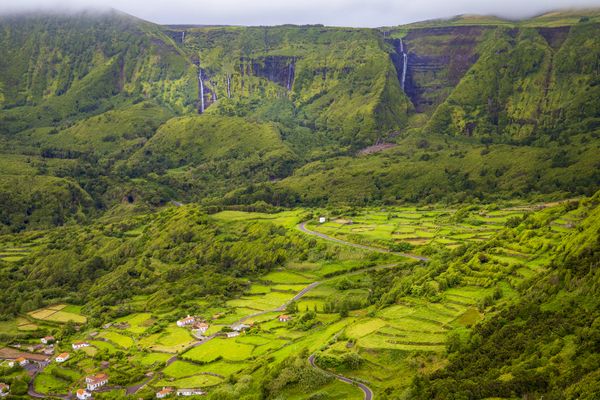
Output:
(335, 13)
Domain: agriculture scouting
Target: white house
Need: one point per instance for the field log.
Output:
(83, 394)
(202, 327)
(62, 357)
(284, 318)
(22, 361)
(189, 392)
(47, 339)
(186, 321)
(79, 345)
(93, 382)
(165, 392)
(322, 220)
(4, 389)
(240, 327)
(233, 334)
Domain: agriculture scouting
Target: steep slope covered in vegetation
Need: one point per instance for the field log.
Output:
(545, 345)
(467, 109)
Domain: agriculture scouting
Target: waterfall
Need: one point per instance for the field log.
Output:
(182, 37)
(228, 86)
(405, 63)
(290, 74)
(401, 46)
(201, 88)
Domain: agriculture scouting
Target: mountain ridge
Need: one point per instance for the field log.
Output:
(327, 91)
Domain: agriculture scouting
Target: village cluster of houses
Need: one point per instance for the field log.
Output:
(198, 328)
(93, 382)
(169, 391)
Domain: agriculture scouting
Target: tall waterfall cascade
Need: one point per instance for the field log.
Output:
(291, 71)
(404, 64)
(228, 86)
(182, 37)
(201, 87)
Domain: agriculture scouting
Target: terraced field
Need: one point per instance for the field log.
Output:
(417, 227)
(393, 340)
(59, 313)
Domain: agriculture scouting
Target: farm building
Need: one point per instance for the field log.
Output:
(233, 334)
(22, 361)
(79, 345)
(95, 381)
(186, 321)
(83, 394)
(62, 357)
(284, 318)
(201, 327)
(190, 392)
(165, 392)
(322, 220)
(4, 389)
(240, 327)
(47, 339)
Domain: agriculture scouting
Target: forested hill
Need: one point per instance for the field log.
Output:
(105, 108)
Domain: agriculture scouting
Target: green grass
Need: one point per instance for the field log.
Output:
(364, 328)
(119, 339)
(336, 390)
(470, 317)
(172, 340)
(138, 323)
(180, 369)
(285, 277)
(226, 348)
(58, 313)
(197, 381)
(154, 358)
(104, 346)
(47, 383)
(223, 368)
(264, 302)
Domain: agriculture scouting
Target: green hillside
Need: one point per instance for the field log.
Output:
(303, 114)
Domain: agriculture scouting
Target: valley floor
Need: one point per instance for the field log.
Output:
(369, 314)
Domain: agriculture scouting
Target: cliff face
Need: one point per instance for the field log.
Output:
(529, 84)
(277, 69)
(339, 81)
(437, 59)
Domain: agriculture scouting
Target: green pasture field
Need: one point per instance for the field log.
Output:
(264, 302)
(154, 358)
(118, 339)
(58, 313)
(196, 381)
(104, 346)
(383, 228)
(228, 349)
(171, 340)
(138, 323)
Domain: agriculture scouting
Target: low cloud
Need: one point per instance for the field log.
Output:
(360, 13)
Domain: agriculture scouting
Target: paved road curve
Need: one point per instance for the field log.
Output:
(366, 390)
(304, 229)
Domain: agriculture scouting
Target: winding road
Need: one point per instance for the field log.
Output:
(366, 390)
(304, 229)
(368, 393)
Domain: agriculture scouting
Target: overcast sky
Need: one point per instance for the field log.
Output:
(363, 13)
